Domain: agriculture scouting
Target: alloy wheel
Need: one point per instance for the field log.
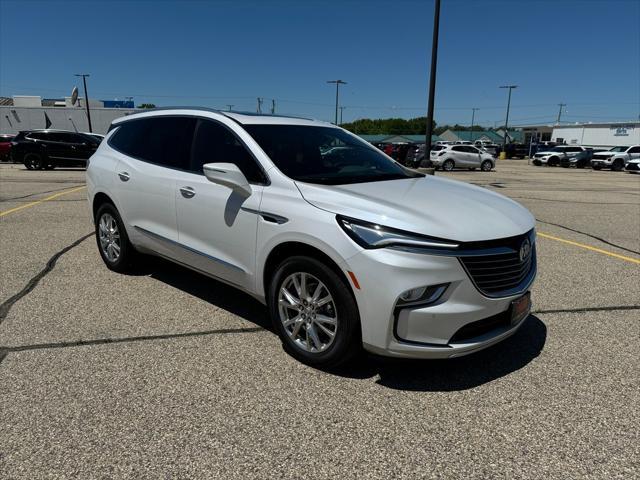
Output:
(109, 237)
(307, 312)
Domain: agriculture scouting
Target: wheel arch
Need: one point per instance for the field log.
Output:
(298, 248)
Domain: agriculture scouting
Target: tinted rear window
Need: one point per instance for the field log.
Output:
(165, 141)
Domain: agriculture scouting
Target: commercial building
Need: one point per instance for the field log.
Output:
(493, 136)
(32, 112)
(598, 134)
(390, 138)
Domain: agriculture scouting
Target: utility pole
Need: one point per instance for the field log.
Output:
(230, 106)
(341, 110)
(273, 106)
(561, 105)
(432, 83)
(338, 83)
(259, 109)
(506, 122)
(86, 97)
(473, 117)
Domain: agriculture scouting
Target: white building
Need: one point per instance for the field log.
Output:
(31, 112)
(598, 134)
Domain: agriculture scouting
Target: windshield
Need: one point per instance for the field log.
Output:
(619, 149)
(557, 149)
(325, 155)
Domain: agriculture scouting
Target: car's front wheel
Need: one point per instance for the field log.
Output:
(486, 166)
(314, 312)
(617, 166)
(113, 243)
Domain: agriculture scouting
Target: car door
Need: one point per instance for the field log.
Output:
(151, 152)
(459, 155)
(634, 153)
(473, 157)
(56, 146)
(217, 225)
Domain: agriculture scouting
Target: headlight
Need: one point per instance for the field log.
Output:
(369, 235)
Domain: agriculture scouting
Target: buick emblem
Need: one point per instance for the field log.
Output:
(525, 250)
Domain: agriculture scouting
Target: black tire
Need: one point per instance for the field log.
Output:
(596, 167)
(128, 255)
(553, 162)
(448, 165)
(486, 166)
(347, 342)
(33, 161)
(617, 166)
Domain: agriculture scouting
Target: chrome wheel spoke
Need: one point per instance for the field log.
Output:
(109, 237)
(313, 335)
(323, 301)
(325, 319)
(328, 332)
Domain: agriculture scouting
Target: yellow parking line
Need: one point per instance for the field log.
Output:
(589, 247)
(37, 202)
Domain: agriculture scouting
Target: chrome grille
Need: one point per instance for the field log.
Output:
(500, 272)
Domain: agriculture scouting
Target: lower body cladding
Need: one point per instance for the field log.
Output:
(459, 321)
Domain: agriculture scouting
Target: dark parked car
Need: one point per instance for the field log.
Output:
(415, 154)
(516, 150)
(5, 146)
(47, 149)
(581, 160)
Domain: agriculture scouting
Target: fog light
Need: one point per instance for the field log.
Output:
(421, 295)
(413, 294)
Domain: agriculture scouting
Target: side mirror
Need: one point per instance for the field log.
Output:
(227, 174)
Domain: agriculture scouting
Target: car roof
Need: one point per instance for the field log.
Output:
(243, 118)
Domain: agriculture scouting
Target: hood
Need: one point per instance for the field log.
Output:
(546, 154)
(604, 154)
(430, 206)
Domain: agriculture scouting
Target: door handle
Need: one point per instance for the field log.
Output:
(187, 192)
(124, 176)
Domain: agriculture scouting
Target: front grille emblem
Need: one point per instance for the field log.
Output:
(525, 250)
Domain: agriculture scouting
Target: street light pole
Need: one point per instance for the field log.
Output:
(341, 110)
(473, 117)
(506, 122)
(432, 83)
(561, 105)
(86, 97)
(338, 83)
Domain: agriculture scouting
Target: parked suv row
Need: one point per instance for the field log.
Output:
(332, 235)
(616, 159)
(47, 149)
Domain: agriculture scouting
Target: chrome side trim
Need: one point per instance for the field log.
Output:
(269, 217)
(192, 250)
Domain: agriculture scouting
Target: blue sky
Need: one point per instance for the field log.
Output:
(585, 53)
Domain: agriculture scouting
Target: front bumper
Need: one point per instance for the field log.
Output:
(430, 331)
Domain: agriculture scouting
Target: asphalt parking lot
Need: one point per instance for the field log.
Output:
(168, 374)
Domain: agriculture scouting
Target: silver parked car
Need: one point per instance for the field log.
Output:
(462, 156)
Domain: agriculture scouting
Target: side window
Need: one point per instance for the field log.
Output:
(634, 150)
(214, 143)
(458, 149)
(165, 141)
(36, 136)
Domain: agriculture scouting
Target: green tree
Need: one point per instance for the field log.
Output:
(147, 105)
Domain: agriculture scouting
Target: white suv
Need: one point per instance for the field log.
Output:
(462, 156)
(616, 158)
(346, 247)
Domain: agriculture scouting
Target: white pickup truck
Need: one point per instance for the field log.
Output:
(616, 158)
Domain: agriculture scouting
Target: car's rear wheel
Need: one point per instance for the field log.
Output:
(113, 243)
(33, 161)
(617, 166)
(553, 162)
(448, 165)
(314, 312)
(486, 166)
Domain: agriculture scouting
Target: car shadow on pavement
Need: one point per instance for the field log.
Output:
(413, 375)
(211, 291)
(455, 374)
